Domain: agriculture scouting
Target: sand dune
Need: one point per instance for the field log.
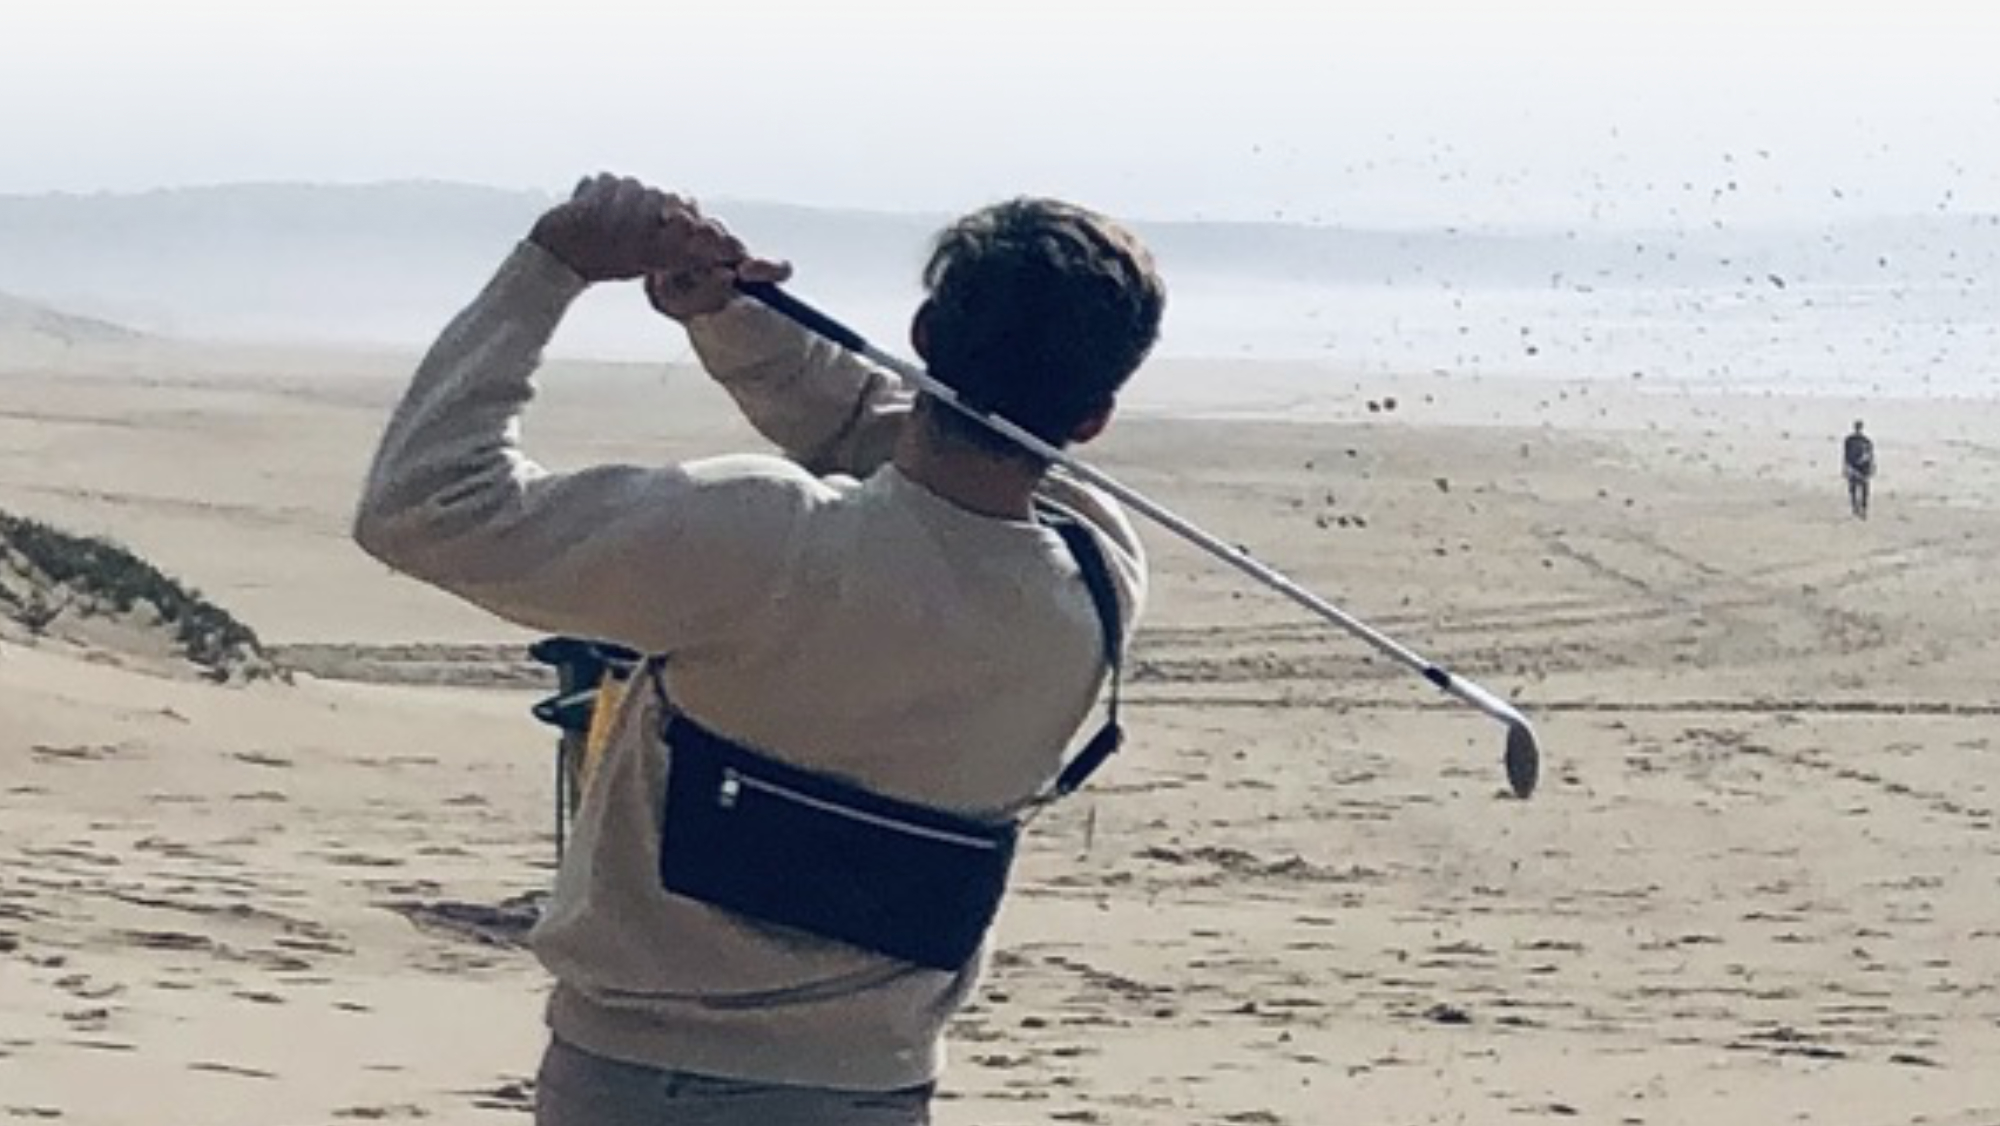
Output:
(1759, 885)
(19, 318)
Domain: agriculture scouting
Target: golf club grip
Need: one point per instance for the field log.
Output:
(807, 316)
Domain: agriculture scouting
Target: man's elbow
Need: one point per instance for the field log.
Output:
(425, 539)
(370, 531)
(385, 533)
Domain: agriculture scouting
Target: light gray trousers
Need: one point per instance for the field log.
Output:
(576, 1088)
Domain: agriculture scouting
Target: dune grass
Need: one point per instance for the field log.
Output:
(56, 573)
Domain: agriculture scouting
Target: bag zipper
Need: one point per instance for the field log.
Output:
(734, 782)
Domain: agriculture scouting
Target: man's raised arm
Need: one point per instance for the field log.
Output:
(826, 408)
(623, 553)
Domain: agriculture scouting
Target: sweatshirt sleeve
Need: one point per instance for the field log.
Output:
(657, 558)
(826, 408)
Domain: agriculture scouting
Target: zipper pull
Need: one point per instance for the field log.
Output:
(731, 787)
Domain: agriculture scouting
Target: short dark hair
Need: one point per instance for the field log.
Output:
(1038, 311)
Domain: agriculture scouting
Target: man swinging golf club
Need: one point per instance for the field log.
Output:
(874, 653)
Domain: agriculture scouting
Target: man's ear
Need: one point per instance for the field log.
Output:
(1094, 425)
(920, 332)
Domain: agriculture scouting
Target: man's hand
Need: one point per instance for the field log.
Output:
(682, 294)
(615, 228)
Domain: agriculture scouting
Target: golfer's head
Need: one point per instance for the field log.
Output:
(1857, 426)
(1038, 311)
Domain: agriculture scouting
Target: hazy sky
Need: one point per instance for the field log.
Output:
(1389, 111)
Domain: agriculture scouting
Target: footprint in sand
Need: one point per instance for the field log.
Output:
(1783, 1040)
(168, 940)
(504, 924)
(278, 962)
(88, 1020)
(1446, 1013)
(511, 1094)
(363, 860)
(258, 758)
(96, 752)
(232, 1069)
(80, 987)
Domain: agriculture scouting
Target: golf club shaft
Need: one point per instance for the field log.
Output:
(822, 325)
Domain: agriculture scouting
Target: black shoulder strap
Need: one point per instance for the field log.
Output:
(1104, 596)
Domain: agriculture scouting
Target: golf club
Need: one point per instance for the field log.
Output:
(1523, 755)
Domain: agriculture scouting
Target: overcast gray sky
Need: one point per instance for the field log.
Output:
(1356, 113)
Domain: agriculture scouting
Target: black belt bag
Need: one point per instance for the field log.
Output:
(770, 841)
(777, 843)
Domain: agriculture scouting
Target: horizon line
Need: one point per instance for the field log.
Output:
(935, 215)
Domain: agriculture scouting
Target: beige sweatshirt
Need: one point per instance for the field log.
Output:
(820, 606)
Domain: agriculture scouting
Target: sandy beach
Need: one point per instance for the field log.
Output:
(1761, 883)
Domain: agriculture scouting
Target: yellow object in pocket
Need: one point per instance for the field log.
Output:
(603, 721)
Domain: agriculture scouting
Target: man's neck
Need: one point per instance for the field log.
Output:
(972, 479)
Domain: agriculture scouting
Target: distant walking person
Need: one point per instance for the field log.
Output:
(1858, 452)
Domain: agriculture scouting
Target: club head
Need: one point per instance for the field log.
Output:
(1524, 759)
